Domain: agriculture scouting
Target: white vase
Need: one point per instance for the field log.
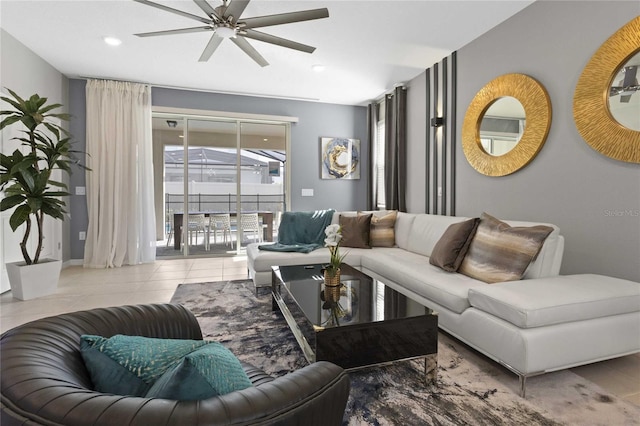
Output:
(32, 281)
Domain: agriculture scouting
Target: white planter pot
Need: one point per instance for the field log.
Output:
(32, 281)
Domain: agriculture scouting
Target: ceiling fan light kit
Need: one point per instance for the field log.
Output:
(225, 22)
(225, 31)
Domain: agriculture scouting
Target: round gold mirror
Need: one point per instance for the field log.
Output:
(514, 98)
(609, 80)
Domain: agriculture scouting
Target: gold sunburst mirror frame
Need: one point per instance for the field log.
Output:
(591, 98)
(537, 107)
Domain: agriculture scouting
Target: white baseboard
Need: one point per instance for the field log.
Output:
(72, 262)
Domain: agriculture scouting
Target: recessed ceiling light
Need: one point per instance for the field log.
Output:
(318, 67)
(112, 41)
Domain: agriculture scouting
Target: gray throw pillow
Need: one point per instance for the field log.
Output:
(355, 231)
(452, 246)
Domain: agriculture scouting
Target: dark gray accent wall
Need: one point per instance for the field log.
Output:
(78, 203)
(594, 200)
(316, 120)
(431, 151)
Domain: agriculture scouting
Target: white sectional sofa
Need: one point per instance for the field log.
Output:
(543, 323)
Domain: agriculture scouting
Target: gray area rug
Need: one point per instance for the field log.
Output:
(471, 390)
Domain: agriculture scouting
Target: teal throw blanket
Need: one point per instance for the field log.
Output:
(301, 231)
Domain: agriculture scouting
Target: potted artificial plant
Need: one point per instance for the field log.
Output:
(25, 178)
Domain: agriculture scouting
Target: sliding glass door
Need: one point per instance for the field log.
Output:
(262, 159)
(220, 183)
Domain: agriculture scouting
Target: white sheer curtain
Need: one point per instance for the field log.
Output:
(120, 186)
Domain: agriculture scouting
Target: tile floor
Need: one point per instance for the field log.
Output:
(81, 288)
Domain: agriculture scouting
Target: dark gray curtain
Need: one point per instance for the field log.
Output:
(395, 150)
(372, 129)
(395, 304)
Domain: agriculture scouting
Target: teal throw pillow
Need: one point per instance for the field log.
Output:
(209, 371)
(161, 368)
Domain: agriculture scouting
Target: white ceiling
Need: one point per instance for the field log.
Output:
(366, 46)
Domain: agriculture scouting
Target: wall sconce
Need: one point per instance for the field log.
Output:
(437, 121)
(172, 123)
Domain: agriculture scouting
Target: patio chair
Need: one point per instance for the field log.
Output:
(221, 222)
(196, 223)
(250, 222)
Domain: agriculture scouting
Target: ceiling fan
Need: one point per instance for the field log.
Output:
(628, 86)
(225, 22)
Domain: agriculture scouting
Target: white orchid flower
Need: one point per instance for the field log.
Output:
(332, 229)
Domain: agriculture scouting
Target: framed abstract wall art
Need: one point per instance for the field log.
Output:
(340, 158)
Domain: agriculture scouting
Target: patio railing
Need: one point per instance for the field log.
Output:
(174, 203)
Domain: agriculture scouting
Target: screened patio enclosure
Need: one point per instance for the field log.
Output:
(220, 184)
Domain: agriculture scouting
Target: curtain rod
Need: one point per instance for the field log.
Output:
(192, 89)
(388, 93)
(113, 79)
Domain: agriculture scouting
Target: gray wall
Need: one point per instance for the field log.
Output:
(315, 120)
(593, 199)
(416, 143)
(26, 73)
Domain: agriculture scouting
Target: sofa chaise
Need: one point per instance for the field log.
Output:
(542, 323)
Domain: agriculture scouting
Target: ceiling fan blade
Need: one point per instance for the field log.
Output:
(235, 9)
(213, 44)
(178, 31)
(176, 11)
(206, 8)
(249, 50)
(284, 18)
(268, 38)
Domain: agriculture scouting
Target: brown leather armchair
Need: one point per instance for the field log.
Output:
(44, 381)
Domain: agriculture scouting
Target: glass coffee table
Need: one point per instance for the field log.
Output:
(362, 323)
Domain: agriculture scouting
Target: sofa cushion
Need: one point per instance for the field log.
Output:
(427, 229)
(554, 300)
(500, 252)
(413, 272)
(168, 368)
(451, 248)
(404, 223)
(355, 231)
(383, 224)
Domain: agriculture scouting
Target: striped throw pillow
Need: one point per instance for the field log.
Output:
(500, 252)
(383, 224)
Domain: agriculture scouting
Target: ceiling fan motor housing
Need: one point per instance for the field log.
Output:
(225, 23)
